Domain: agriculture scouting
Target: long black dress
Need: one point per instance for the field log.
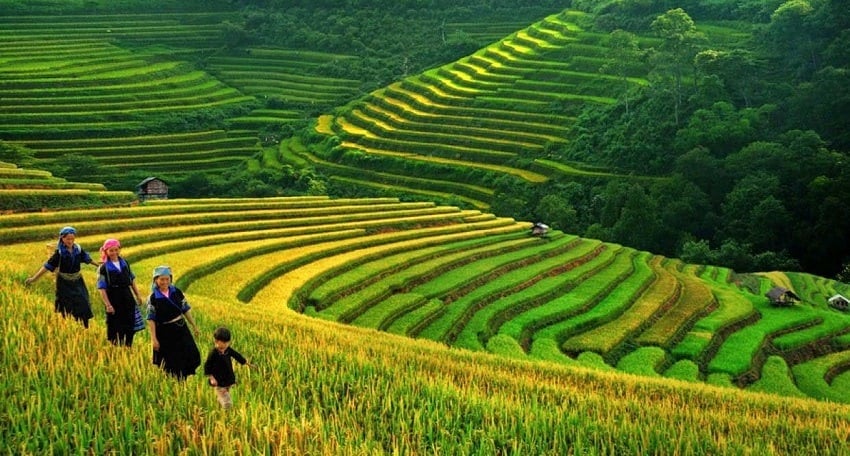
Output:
(116, 282)
(178, 354)
(72, 296)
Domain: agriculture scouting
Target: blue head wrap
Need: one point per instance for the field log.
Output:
(62, 233)
(160, 271)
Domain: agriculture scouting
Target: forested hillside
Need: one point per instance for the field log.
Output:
(750, 123)
(711, 131)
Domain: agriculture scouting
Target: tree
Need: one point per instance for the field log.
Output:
(637, 225)
(771, 225)
(684, 212)
(734, 255)
(16, 154)
(844, 275)
(823, 105)
(757, 11)
(506, 204)
(624, 50)
(233, 35)
(75, 167)
(679, 42)
(739, 70)
(753, 214)
(195, 185)
(697, 252)
(556, 211)
(705, 171)
(723, 129)
(791, 33)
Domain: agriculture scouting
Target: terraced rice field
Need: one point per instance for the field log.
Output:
(289, 75)
(28, 189)
(489, 111)
(474, 281)
(125, 90)
(108, 86)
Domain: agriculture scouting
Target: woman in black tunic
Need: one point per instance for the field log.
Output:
(117, 285)
(72, 296)
(169, 315)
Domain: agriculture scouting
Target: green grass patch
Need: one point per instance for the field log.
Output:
(776, 379)
(644, 361)
(685, 369)
(812, 376)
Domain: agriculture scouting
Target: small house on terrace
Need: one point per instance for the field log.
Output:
(839, 302)
(782, 297)
(152, 188)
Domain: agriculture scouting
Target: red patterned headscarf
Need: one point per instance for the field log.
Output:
(108, 244)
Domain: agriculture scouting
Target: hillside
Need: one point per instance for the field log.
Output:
(179, 90)
(494, 115)
(321, 387)
(591, 119)
(394, 324)
(120, 88)
(476, 281)
(24, 189)
(622, 136)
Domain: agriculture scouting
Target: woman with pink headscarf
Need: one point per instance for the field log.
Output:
(117, 286)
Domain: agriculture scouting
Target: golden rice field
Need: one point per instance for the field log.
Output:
(322, 388)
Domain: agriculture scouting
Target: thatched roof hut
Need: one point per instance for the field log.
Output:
(780, 296)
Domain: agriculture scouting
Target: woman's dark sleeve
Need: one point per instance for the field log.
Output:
(53, 262)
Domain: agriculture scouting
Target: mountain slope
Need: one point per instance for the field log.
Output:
(476, 281)
(318, 387)
(496, 111)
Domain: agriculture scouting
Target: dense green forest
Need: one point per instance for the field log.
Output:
(747, 131)
(754, 135)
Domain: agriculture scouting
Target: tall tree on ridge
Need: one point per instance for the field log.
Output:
(624, 50)
(679, 44)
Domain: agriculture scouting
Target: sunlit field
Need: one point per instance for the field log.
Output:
(320, 387)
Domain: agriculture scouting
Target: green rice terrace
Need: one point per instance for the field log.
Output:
(120, 87)
(24, 189)
(491, 112)
(475, 281)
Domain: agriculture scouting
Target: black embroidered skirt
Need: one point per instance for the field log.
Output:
(72, 298)
(178, 354)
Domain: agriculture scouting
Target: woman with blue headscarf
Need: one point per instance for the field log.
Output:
(169, 318)
(72, 296)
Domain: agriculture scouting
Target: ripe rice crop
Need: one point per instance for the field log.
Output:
(320, 387)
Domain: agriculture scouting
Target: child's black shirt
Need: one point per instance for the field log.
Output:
(219, 366)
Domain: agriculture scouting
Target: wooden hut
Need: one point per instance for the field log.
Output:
(839, 302)
(782, 297)
(152, 188)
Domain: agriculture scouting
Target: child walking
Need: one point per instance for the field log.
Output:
(219, 367)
